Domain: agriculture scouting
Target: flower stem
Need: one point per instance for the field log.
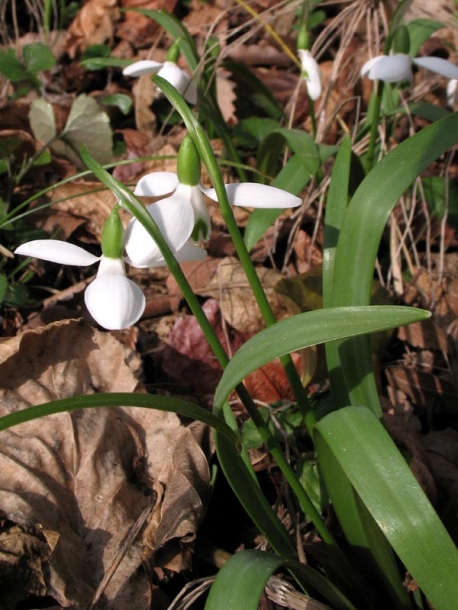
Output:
(130, 202)
(208, 157)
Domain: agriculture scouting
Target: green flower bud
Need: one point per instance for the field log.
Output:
(303, 39)
(188, 163)
(113, 235)
(174, 52)
(401, 40)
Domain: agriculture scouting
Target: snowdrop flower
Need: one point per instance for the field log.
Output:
(452, 92)
(311, 73)
(169, 71)
(114, 301)
(397, 68)
(183, 215)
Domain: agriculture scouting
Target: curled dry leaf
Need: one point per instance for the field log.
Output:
(85, 476)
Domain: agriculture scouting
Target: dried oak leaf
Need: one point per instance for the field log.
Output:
(80, 474)
(235, 296)
(139, 29)
(94, 24)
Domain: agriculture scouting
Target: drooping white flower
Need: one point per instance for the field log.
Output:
(113, 300)
(452, 92)
(311, 73)
(397, 68)
(169, 71)
(183, 214)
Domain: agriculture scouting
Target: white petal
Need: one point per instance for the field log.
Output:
(201, 215)
(189, 252)
(312, 73)
(57, 252)
(180, 80)
(114, 301)
(253, 195)
(174, 217)
(156, 184)
(438, 65)
(140, 68)
(389, 68)
(452, 89)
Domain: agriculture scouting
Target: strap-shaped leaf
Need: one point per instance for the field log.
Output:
(355, 438)
(241, 581)
(306, 329)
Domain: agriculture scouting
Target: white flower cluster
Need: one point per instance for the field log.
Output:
(112, 299)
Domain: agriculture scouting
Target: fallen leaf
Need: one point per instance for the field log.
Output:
(235, 296)
(94, 24)
(84, 474)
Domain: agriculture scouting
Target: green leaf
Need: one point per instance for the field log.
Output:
(120, 399)
(420, 30)
(241, 581)
(306, 329)
(99, 63)
(3, 286)
(42, 121)
(392, 495)
(37, 57)
(360, 236)
(87, 124)
(11, 67)
(441, 195)
(178, 32)
(120, 100)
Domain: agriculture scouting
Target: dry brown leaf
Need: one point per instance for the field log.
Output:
(82, 474)
(188, 356)
(139, 29)
(237, 302)
(94, 24)
(424, 335)
(75, 205)
(184, 503)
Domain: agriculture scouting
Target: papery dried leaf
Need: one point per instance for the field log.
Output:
(139, 29)
(424, 335)
(269, 383)
(94, 24)
(237, 302)
(422, 388)
(185, 500)
(82, 474)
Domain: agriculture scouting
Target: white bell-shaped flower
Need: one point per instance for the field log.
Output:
(397, 68)
(311, 73)
(170, 72)
(113, 300)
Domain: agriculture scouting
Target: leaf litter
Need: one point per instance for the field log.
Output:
(74, 487)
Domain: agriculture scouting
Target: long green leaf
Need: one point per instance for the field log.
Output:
(306, 329)
(120, 399)
(241, 581)
(387, 487)
(361, 233)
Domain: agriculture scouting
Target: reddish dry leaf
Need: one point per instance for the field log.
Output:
(83, 475)
(188, 356)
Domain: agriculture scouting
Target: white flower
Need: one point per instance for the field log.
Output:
(452, 92)
(311, 73)
(114, 301)
(169, 71)
(183, 214)
(397, 68)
